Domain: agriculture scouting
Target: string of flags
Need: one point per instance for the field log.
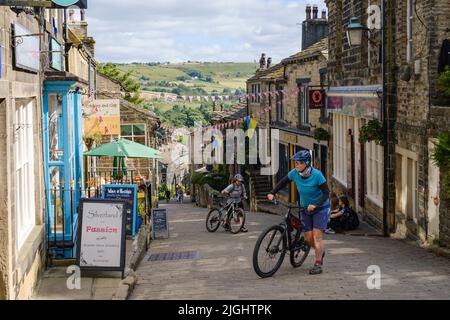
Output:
(216, 98)
(249, 120)
(224, 98)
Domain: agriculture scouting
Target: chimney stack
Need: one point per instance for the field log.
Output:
(262, 61)
(308, 12)
(269, 62)
(315, 12)
(324, 14)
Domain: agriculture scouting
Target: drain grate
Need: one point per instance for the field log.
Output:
(172, 256)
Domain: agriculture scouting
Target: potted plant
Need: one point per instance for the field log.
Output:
(372, 131)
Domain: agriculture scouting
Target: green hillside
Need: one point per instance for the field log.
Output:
(188, 79)
(192, 78)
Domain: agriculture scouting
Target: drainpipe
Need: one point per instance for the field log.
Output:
(385, 123)
(66, 42)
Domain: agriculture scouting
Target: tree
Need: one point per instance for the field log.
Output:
(128, 84)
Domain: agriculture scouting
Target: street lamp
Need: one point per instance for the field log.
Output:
(354, 35)
(355, 32)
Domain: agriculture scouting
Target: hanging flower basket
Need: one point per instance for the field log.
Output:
(441, 158)
(372, 131)
(321, 134)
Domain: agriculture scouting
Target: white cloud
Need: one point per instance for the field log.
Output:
(204, 30)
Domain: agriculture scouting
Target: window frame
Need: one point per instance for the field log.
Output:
(340, 128)
(374, 173)
(24, 176)
(133, 136)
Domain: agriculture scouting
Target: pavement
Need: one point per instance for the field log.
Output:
(218, 266)
(94, 285)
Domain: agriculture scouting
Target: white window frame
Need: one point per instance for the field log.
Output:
(409, 29)
(25, 204)
(133, 135)
(410, 192)
(341, 124)
(374, 173)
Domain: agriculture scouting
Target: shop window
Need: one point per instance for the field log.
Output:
(25, 208)
(340, 128)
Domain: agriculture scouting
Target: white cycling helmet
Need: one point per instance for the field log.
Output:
(239, 177)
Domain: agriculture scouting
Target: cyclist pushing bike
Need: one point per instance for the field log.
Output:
(236, 191)
(314, 199)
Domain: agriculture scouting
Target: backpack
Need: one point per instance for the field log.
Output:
(350, 220)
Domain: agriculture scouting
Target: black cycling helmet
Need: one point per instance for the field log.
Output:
(303, 156)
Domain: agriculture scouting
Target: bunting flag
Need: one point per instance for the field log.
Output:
(251, 128)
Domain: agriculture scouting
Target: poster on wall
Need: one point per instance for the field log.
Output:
(26, 49)
(101, 235)
(102, 117)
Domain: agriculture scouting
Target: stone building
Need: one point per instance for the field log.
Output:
(394, 185)
(136, 124)
(422, 112)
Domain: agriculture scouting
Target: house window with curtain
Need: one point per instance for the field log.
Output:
(375, 177)
(303, 104)
(134, 132)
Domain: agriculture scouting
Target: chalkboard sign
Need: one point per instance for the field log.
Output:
(129, 194)
(160, 223)
(101, 235)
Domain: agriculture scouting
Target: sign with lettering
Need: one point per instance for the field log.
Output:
(129, 194)
(160, 223)
(101, 114)
(26, 49)
(101, 235)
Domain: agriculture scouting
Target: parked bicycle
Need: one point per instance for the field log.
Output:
(229, 215)
(276, 241)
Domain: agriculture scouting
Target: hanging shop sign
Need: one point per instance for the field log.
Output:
(26, 49)
(82, 4)
(101, 235)
(316, 99)
(129, 194)
(102, 117)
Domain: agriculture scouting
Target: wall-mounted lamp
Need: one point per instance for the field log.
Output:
(355, 32)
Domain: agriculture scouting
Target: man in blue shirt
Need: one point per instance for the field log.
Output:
(314, 201)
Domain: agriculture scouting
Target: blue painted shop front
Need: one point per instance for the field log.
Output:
(63, 156)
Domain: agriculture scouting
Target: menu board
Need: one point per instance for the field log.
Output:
(101, 235)
(160, 223)
(128, 193)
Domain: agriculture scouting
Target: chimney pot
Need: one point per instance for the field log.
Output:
(308, 12)
(269, 62)
(315, 11)
(324, 14)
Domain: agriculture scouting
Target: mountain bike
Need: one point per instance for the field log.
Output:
(228, 215)
(276, 241)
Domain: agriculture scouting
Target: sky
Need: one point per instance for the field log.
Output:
(196, 30)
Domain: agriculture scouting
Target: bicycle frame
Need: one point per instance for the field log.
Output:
(286, 237)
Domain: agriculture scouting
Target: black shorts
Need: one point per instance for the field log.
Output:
(240, 205)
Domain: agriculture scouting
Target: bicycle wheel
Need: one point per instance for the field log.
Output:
(269, 251)
(299, 253)
(213, 220)
(237, 220)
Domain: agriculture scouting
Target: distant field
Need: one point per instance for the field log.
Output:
(230, 76)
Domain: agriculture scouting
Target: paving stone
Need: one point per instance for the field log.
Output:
(224, 269)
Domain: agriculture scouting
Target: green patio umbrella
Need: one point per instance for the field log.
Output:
(121, 149)
(125, 149)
